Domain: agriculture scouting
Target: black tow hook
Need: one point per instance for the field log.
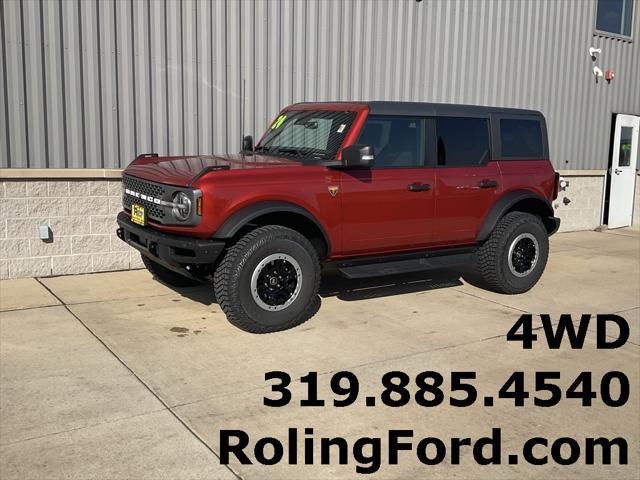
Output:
(120, 233)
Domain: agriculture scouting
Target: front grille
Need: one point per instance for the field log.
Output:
(149, 189)
(153, 189)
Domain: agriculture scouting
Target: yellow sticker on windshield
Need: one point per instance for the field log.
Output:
(279, 121)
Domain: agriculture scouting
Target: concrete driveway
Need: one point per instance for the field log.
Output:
(117, 376)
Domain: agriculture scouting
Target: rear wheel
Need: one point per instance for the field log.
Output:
(515, 254)
(168, 276)
(269, 280)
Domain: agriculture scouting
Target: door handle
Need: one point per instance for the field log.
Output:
(487, 184)
(617, 171)
(418, 187)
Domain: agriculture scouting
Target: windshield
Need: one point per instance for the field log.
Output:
(307, 134)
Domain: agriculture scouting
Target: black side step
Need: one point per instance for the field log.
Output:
(405, 266)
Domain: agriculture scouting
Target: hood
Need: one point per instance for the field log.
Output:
(183, 171)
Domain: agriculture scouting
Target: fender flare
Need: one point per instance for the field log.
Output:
(245, 215)
(504, 204)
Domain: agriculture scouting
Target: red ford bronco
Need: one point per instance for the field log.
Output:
(369, 187)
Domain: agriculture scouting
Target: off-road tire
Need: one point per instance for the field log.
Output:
(232, 280)
(168, 276)
(491, 259)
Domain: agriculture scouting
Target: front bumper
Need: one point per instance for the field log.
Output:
(178, 253)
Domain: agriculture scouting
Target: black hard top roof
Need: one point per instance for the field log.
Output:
(424, 108)
(431, 109)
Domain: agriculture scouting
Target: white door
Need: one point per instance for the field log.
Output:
(623, 170)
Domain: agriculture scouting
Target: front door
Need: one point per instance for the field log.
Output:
(389, 207)
(623, 170)
(380, 213)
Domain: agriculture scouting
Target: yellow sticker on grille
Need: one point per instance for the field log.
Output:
(138, 214)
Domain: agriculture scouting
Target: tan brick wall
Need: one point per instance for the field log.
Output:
(81, 214)
(584, 210)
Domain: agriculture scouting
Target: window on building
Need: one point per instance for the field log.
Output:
(396, 141)
(614, 16)
(462, 141)
(521, 138)
(624, 158)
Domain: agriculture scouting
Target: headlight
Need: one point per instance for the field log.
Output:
(182, 206)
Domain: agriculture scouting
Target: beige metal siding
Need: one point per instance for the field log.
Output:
(92, 83)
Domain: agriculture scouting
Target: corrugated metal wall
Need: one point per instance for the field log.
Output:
(92, 83)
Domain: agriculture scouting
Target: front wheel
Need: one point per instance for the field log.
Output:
(515, 254)
(269, 280)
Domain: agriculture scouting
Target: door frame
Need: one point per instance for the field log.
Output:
(606, 197)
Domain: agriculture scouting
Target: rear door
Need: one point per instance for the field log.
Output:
(389, 207)
(468, 181)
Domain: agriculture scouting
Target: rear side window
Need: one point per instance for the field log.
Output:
(521, 138)
(462, 141)
(397, 141)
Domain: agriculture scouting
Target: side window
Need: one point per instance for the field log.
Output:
(396, 141)
(521, 138)
(462, 141)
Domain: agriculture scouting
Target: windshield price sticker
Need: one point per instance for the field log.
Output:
(432, 389)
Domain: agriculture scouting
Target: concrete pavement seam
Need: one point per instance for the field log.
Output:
(624, 311)
(60, 432)
(22, 309)
(148, 387)
(627, 310)
(89, 302)
(493, 301)
(573, 245)
(620, 234)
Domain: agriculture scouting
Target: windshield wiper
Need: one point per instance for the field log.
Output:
(294, 150)
(290, 150)
(267, 149)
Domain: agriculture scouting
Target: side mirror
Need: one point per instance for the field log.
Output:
(247, 144)
(358, 156)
